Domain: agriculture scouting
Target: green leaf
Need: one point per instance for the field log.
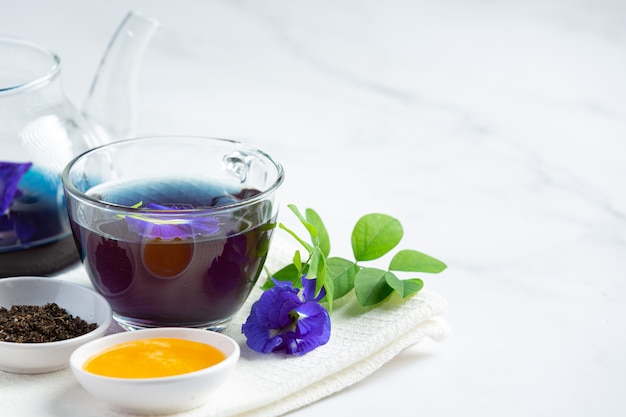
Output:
(343, 272)
(297, 261)
(322, 234)
(262, 248)
(317, 268)
(289, 273)
(315, 264)
(404, 287)
(374, 235)
(306, 245)
(413, 261)
(370, 285)
(329, 286)
(309, 227)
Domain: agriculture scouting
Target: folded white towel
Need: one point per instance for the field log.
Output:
(362, 340)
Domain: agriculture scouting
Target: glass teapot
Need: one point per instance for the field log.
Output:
(41, 131)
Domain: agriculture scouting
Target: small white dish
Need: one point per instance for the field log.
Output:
(79, 301)
(162, 395)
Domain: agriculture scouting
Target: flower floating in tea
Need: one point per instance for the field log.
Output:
(288, 319)
(168, 227)
(280, 320)
(10, 175)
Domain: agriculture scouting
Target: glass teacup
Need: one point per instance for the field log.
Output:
(173, 231)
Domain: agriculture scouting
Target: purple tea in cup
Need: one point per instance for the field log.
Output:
(178, 246)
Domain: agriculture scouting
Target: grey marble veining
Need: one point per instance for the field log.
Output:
(494, 130)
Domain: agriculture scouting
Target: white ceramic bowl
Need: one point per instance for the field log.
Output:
(157, 395)
(35, 358)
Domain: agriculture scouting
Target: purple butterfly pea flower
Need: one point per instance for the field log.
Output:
(169, 228)
(308, 290)
(283, 319)
(10, 175)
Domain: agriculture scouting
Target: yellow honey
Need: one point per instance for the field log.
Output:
(153, 358)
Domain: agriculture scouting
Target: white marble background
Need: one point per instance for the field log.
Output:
(494, 130)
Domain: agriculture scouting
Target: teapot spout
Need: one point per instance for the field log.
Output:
(110, 107)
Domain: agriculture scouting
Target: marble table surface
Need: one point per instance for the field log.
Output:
(494, 130)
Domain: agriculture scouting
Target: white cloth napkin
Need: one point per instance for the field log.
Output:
(362, 340)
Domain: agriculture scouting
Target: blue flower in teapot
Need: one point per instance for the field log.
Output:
(41, 131)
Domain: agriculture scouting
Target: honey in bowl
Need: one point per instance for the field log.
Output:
(153, 358)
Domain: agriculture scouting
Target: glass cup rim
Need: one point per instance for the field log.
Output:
(44, 77)
(87, 199)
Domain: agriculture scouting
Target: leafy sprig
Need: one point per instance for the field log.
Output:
(374, 236)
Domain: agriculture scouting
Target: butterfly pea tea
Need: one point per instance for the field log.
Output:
(173, 231)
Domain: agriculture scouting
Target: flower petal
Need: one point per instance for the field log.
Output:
(281, 321)
(312, 328)
(275, 304)
(268, 316)
(308, 290)
(311, 331)
(10, 175)
(313, 319)
(258, 335)
(169, 228)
